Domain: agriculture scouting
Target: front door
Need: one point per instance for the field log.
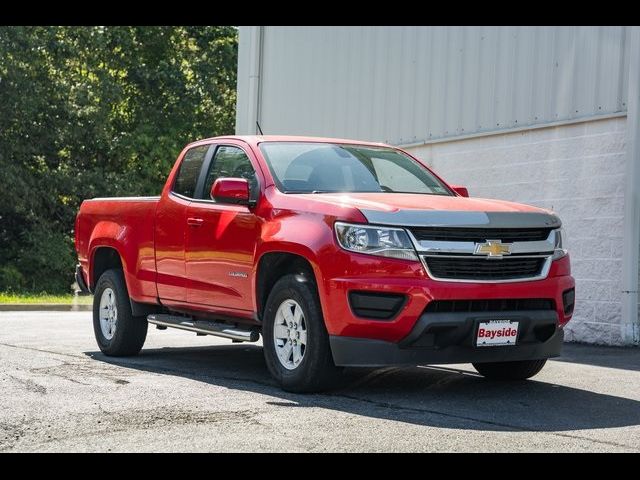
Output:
(221, 238)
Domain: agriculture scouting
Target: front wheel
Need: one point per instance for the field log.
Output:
(117, 331)
(520, 370)
(295, 340)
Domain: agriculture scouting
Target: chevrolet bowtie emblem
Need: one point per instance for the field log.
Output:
(493, 248)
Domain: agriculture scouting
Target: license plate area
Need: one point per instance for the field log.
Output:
(496, 333)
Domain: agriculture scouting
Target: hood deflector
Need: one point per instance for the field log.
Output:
(463, 219)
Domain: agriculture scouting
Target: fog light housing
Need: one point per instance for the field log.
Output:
(568, 300)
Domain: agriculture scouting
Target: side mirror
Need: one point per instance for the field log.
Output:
(462, 191)
(231, 190)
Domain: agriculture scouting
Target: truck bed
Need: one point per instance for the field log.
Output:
(127, 225)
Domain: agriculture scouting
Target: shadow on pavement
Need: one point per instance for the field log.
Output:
(434, 396)
(624, 358)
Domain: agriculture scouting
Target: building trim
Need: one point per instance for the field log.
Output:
(504, 131)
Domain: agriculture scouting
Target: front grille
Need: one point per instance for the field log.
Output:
(480, 235)
(468, 268)
(490, 305)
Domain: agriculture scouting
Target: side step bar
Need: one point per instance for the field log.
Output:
(204, 327)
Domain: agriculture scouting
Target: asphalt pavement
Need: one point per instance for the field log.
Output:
(189, 393)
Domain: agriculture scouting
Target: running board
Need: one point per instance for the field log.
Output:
(205, 327)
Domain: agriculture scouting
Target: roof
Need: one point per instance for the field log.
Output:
(255, 139)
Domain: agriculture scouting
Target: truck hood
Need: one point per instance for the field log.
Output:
(439, 210)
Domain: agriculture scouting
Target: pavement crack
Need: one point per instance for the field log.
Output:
(29, 385)
(133, 420)
(41, 350)
(513, 427)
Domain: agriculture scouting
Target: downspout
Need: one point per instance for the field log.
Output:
(255, 73)
(630, 328)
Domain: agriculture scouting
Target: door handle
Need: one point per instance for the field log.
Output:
(195, 222)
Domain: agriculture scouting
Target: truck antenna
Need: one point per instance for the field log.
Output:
(259, 129)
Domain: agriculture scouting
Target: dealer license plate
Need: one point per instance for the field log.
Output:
(495, 333)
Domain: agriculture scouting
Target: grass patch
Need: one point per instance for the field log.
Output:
(43, 298)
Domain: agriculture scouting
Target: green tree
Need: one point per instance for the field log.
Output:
(97, 111)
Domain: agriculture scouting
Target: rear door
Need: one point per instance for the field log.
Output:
(171, 225)
(221, 238)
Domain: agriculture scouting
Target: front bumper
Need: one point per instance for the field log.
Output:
(450, 338)
(357, 273)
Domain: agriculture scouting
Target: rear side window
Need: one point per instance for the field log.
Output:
(185, 183)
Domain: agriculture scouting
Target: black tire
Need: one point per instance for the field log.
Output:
(316, 371)
(520, 370)
(130, 332)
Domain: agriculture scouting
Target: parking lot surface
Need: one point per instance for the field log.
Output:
(188, 393)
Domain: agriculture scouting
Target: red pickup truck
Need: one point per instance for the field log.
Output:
(338, 252)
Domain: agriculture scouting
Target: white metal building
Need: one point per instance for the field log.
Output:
(541, 115)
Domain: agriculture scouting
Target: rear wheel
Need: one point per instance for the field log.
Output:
(117, 331)
(295, 340)
(520, 370)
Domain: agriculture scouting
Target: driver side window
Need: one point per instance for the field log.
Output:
(231, 162)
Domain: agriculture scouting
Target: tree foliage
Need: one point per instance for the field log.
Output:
(97, 111)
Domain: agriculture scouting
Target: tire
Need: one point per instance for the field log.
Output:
(520, 370)
(315, 371)
(126, 334)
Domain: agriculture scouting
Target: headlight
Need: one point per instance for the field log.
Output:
(383, 241)
(560, 249)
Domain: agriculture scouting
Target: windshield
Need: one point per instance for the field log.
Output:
(326, 167)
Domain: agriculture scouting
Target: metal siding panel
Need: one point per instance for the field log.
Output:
(351, 78)
(611, 59)
(564, 65)
(624, 84)
(504, 78)
(437, 88)
(335, 123)
(550, 77)
(412, 84)
(487, 84)
(314, 103)
(376, 128)
(366, 95)
(325, 67)
(522, 71)
(452, 95)
(586, 65)
(422, 112)
(407, 86)
(394, 74)
(468, 106)
(539, 74)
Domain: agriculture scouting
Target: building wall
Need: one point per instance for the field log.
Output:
(576, 170)
(404, 85)
(530, 114)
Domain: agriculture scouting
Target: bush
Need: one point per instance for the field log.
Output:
(11, 279)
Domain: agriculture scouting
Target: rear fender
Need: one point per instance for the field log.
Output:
(112, 235)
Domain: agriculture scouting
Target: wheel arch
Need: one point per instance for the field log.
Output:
(103, 258)
(272, 266)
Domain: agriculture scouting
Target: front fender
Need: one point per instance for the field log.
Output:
(307, 235)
